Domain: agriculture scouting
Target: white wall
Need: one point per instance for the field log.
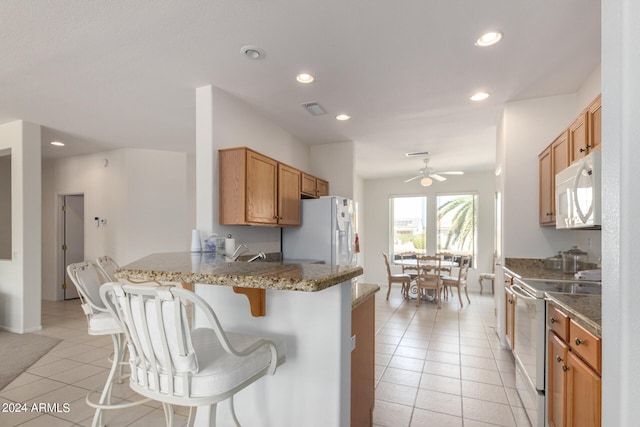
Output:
(141, 193)
(530, 126)
(224, 121)
(20, 276)
(376, 220)
(621, 202)
(335, 163)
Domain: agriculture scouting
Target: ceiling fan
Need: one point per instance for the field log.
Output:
(427, 175)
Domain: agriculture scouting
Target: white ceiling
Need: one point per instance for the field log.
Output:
(108, 74)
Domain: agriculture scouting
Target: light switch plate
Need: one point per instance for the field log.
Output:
(353, 342)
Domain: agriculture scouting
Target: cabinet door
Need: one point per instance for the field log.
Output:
(322, 187)
(363, 363)
(308, 187)
(595, 124)
(262, 175)
(584, 394)
(288, 195)
(545, 212)
(557, 384)
(510, 308)
(578, 138)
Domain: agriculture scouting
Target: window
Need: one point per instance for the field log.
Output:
(457, 224)
(409, 222)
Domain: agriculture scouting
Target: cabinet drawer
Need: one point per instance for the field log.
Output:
(558, 322)
(586, 345)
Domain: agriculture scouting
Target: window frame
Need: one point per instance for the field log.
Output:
(393, 256)
(474, 237)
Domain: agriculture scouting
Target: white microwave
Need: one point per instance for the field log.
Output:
(578, 202)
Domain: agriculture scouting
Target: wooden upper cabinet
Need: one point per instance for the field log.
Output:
(595, 123)
(585, 133)
(308, 185)
(262, 196)
(288, 195)
(256, 189)
(323, 187)
(545, 212)
(551, 161)
(313, 187)
(579, 137)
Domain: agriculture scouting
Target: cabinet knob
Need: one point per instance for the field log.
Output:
(558, 359)
(553, 320)
(565, 368)
(578, 341)
(582, 150)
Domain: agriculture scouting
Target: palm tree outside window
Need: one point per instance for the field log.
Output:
(457, 224)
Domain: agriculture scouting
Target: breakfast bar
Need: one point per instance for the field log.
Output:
(308, 306)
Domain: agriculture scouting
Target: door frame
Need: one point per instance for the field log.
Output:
(60, 269)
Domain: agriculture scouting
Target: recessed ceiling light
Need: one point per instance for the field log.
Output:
(488, 39)
(343, 117)
(57, 143)
(304, 78)
(252, 52)
(480, 96)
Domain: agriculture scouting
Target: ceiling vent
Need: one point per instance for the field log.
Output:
(416, 153)
(314, 108)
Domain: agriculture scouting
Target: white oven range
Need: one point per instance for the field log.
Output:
(530, 341)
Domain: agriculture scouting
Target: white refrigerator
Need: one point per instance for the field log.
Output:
(327, 232)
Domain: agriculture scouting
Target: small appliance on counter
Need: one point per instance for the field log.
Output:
(554, 262)
(574, 260)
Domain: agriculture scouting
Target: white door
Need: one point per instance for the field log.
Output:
(73, 238)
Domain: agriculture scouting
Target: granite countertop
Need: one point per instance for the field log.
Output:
(209, 268)
(586, 310)
(360, 292)
(533, 268)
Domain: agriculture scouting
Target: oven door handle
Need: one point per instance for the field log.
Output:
(516, 289)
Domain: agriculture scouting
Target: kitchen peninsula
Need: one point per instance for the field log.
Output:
(306, 305)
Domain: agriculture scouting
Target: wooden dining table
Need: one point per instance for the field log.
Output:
(412, 262)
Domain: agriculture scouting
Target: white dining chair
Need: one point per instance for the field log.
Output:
(489, 276)
(87, 279)
(177, 365)
(108, 267)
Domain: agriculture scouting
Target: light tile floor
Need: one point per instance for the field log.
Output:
(442, 367)
(433, 368)
(67, 373)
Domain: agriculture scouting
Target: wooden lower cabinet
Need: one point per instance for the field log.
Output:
(363, 364)
(510, 310)
(584, 394)
(556, 389)
(574, 389)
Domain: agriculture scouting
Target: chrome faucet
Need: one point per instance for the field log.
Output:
(261, 255)
(237, 254)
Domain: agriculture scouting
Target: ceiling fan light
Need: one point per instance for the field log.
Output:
(488, 39)
(426, 181)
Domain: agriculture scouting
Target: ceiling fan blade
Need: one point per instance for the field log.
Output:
(412, 179)
(451, 173)
(437, 177)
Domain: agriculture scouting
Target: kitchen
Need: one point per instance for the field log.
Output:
(616, 250)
